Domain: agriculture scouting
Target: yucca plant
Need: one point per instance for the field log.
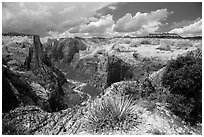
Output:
(109, 113)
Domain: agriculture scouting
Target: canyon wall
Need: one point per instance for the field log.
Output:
(29, 77)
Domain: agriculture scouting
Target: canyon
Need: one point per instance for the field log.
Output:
(47, 87)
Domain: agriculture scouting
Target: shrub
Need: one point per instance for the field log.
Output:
(157, 132)
(147, 66)
(145, 42)
(109, 113)
(149, 92)
(135, 54)
(183, 77)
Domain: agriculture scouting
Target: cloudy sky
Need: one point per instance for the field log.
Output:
(102, 19)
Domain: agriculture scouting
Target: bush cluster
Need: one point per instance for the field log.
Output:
(183, 77)
(147, 65)
(181, 88)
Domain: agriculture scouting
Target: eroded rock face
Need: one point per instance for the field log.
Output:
(103, 63)
(9, 99)
(30, 120)
(16, 92)
(33, 81)
(35, 90)
(63, 50)
(34, 95)
(118, 70)
(15, 50)
(103, 69)
(37, 58)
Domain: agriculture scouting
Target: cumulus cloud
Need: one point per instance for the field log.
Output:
(105, 26)
(56, 34)
(89, 27)
(82, 19)
(64, 19)
(40, 18)
(190, 30)
(98, 26)
(141, 22)
(92, 26)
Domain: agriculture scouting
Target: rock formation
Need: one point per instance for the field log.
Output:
(30, 120)
(64, 49)
(33, 80)
(103, 69)
(37, 99)
(16, 91)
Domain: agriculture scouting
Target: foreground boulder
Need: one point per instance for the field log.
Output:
(32, 120)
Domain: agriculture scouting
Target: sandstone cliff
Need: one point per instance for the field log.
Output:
(63, 50)
(30, 77)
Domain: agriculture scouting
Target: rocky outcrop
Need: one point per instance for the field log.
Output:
(34, 91)
(9, 100)
(15, 51)
(103, 64)
(118, 70)
(96, 67)
(37, 58)
(103, 69)
(156, 77)
(64, 49)
(33, 81)
(31, 120)
(16, 91)
(152, 118)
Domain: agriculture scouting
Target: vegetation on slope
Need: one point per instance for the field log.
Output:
(183, 77)
(110, 113)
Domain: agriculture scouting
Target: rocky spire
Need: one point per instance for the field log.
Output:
(36, 57)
